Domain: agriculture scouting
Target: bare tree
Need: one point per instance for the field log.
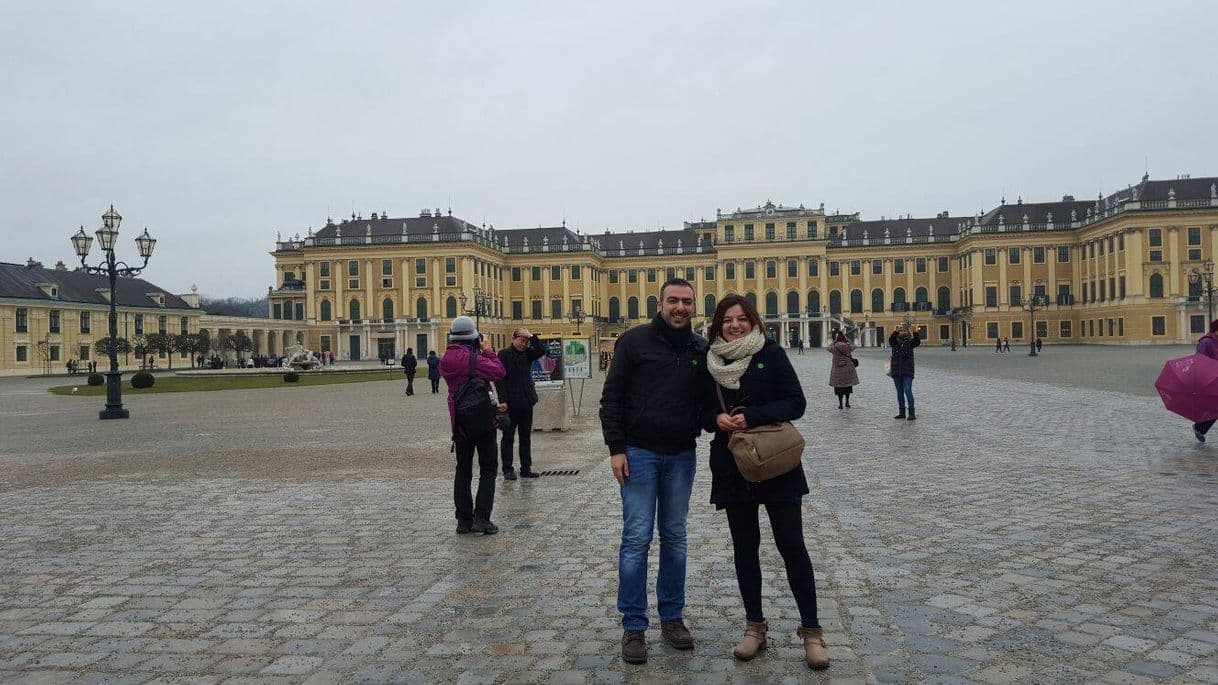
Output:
(239, 342)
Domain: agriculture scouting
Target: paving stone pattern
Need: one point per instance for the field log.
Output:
(1017, 532)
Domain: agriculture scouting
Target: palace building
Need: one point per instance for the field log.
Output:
(1116, 269)
(49, 316)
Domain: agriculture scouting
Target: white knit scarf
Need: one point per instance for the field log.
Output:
(727, 361)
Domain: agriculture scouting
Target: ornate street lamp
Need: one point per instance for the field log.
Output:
(482, 305)
(1206, 276)
(107, 235)
(1035, 303)
(576, 317)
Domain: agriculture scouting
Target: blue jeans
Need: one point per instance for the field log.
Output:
(658, 483)
(904, 391)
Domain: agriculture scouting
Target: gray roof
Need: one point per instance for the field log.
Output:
(1152, 191)
(901, 228)
(537, 237)
(418, 225)
(649, 241)
(1037, 212)
(21, 281)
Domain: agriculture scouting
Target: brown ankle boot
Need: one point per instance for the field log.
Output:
(752, 642)
(816, 652)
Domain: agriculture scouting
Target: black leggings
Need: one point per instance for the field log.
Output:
(787, 525)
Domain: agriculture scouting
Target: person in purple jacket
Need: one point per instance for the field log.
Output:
(473, 516)
(1207, 345)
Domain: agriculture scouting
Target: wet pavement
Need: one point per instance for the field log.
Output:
(1043, 530)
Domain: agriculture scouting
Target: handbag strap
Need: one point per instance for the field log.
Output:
(723, 404)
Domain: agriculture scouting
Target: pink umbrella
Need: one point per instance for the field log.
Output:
(1189, 387)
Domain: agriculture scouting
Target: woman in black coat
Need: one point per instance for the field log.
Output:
(902, 343)
(754, 373)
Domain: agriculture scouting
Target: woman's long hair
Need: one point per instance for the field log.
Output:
(750, 312)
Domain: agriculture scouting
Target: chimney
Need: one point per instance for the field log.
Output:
(33, 264)
(60, 266)
(1067, 198)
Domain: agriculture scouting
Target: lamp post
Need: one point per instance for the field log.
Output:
(482, 304)
(576, 316)
(1206, 276)
(107, 235)
(1035, 303)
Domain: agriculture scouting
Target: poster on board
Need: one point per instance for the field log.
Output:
(549, 368)
(576, 360)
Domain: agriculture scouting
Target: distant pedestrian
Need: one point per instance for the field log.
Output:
(1006, 344)
(1208, 346)
(902, 342)
(998, 345)
(410, 364)
(843, 375)
(1038, 344)
(433, 371)
(518, 396)
(470, 366)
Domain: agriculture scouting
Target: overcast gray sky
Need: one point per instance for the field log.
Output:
(217, 124)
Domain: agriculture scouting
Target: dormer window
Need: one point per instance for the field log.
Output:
(49, 289)
(158, 298)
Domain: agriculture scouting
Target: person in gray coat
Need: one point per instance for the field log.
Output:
(843, 375)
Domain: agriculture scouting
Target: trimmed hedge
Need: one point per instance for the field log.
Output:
(142, 379)
(291, 377)
(96, 379)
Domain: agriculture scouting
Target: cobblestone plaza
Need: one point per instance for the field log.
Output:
(1043, 521)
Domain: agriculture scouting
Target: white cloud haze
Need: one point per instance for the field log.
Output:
(217, 124)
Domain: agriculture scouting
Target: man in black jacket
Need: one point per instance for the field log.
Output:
(518, 395)
(410, 364)
(649, 418)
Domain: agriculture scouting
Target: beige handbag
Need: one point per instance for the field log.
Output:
(763, 452)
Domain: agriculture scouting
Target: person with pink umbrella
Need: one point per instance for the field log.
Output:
(1208, 346)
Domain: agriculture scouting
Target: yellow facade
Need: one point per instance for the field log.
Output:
(1115, 270)
(49, 317)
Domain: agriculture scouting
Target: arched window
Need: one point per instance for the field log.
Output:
(420, 308)
(450, 307)
(752, 298)
(877, 299)
(354, 310)
(708, 304)
(793, 303)
(387, 310)
(835, 302)
(615, 309)
(632, 308)
(653, 306)
(814, 301)
(945, 299)
(325, 310)
(856, 301)
(771, 304)
(921, 295)
(898, 296)
(1156, 285)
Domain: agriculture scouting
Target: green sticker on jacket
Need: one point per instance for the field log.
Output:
(761, 365)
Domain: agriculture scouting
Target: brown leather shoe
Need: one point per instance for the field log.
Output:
(753, 642)
(634, 647)
(676, 634)
(816, 652)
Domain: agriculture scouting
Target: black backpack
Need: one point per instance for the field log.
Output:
(472, 404)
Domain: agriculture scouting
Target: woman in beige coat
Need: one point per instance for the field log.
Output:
(842, 374)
